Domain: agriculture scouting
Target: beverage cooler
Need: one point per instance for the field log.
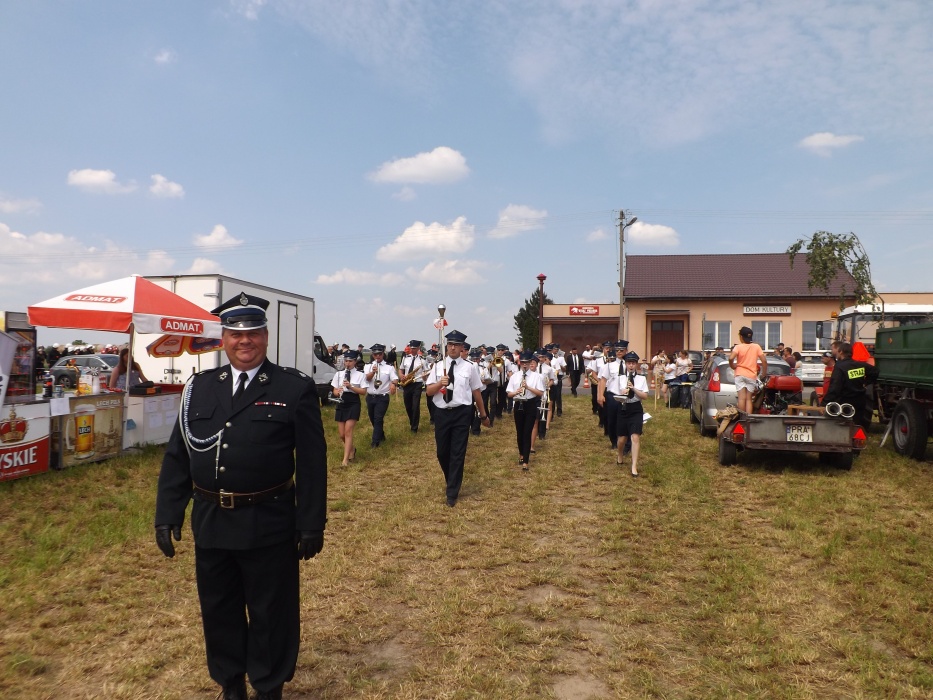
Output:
(22, 383)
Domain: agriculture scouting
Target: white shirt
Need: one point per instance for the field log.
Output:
(466, 380)
(641, 384)
(250, 375)
(559, 365)
(533, 380)
(357, 379)
(387, 375)
(610, 372)
(416, 362)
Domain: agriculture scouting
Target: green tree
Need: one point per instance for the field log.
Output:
(828, 254)
(526, 321)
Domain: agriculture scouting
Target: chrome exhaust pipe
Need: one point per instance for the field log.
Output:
(847, 410)
(833, 409)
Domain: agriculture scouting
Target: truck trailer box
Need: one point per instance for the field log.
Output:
(293, 341)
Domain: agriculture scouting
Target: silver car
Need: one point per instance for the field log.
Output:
(715, 390)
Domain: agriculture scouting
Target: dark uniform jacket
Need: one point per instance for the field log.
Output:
(848, 380)
(275, 434)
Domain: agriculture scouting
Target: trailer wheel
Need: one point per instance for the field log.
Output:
(843, 460)
(910, 429)
(728, 454)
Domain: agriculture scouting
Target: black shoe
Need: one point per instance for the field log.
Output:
(274, 694)
(414, 430)
(451, 502)
(474, 432)
(235, 690)
(559, 414)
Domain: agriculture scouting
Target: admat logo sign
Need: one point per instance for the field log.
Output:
(95, 298)
(178, 325)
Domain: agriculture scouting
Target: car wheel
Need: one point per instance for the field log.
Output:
(66, 382)
(693, 418)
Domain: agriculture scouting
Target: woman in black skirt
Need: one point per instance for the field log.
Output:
(348, 386)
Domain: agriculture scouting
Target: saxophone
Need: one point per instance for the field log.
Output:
(412, 375)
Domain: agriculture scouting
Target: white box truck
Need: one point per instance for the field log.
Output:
(292, 339)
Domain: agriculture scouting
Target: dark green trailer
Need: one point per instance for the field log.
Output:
(904, 391)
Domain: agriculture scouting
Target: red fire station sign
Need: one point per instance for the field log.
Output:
(584, 311)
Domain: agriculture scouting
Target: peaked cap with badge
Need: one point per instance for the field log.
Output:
(456, 337)
(242, 312)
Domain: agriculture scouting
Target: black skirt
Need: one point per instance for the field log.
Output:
(348, 409)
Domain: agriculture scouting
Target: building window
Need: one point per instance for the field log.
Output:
(810, 342)
(766, 333)
(717, 334)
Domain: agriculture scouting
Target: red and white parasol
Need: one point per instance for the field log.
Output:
(121, 304)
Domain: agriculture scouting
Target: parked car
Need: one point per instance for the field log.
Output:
(715, 389)
(810, 369)
(67, 370)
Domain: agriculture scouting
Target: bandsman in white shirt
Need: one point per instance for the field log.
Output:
(559, 365)
(630, 420)
(411, 378)
(456, 390)
(501, 379)
(381, 381)
(525, 388)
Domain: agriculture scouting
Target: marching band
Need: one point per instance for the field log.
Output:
(466, 388)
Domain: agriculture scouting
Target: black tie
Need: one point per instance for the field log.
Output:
(449, 393)
(240, 387)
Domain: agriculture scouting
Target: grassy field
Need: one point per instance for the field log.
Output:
(775, 578)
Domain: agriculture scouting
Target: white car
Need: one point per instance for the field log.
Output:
(810, 369)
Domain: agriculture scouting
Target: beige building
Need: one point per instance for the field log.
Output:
(699, 302)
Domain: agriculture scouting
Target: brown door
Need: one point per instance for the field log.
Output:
(667, 336)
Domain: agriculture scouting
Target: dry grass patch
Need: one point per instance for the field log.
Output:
(774, 578)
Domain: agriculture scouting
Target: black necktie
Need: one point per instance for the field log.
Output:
(240, 387)
(449, 393)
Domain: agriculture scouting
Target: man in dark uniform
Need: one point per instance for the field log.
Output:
(455, 388)
(847, 384)
(575, 368)
(249, 449)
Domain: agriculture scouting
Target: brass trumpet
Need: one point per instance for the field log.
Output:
(377, 381)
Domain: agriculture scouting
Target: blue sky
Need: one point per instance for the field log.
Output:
(385, 157)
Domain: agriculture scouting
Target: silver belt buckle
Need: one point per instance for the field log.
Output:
(226, 499)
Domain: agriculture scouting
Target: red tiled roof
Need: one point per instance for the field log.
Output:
(767, 275)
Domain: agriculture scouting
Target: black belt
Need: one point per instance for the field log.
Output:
(377, 396)
(229, 499)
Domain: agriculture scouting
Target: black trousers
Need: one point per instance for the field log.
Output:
(612, 412)
(575, 380)
(476, 425)
(557, 392)
(411, 394)
(452, 433)
(431, 407)
(251, 613)
(594, 390)
(494, 410)
(376, 407)
(525, 414)
(502, 400)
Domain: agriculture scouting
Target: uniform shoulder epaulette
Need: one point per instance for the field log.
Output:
(295, 373)
(206, 371)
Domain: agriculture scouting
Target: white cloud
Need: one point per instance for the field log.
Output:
(424, 241)
(516, 219)
(348, 276)
(219, 237)
(248, 8)
(9, 205)
(203, 266)
(823, 142)
(440, 166)
(165, 56)
(414, 311)
(99, 182)
(164, 188)
(448, 273)
(406, 194)
(654, 235)
(597, 235)
(26, 261)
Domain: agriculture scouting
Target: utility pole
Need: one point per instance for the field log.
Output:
(623, 224)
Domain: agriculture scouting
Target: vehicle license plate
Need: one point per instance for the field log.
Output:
(799, 433)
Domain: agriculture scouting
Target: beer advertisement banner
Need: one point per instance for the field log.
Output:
(93, 430)
(24, 440)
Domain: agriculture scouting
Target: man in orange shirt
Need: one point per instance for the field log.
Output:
(744, 359)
